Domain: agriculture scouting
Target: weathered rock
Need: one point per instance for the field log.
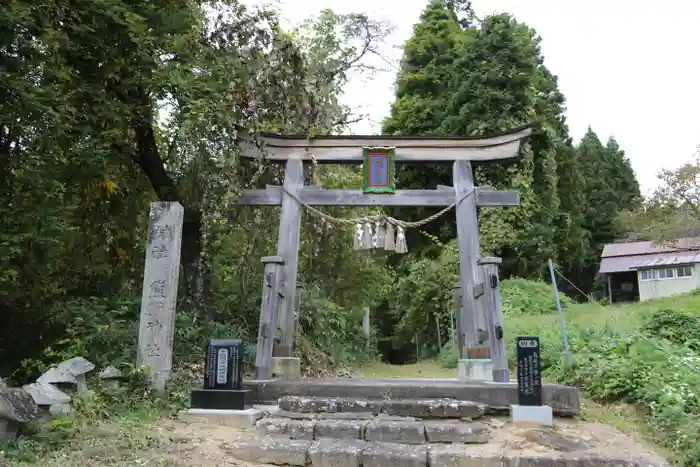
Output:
(111, 376)
(110, 372)
(454, 455)
(3, 384)
(466, 433)
(269, 450)
(394, 455)
(395, 432)
(59, 410)
(497, 397)
(308, 404)
(290, 429)
(17, 405)
(324, 415)
(55, 376)
(555, 441)
(329, 405)
(76, 366)
(433, 408)
(46, 394)
(339, 429)
(573, 460)
(334, 453)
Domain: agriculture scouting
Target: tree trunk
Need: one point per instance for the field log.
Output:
(196, 282)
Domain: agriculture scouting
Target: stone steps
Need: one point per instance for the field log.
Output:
(437, 408)
(357, 453)
(495, 397)
(409, 432)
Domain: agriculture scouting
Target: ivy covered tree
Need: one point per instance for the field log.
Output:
(107, 106)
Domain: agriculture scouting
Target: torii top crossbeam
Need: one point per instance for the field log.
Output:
(343, 149)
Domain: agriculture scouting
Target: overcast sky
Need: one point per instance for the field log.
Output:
(627, 68)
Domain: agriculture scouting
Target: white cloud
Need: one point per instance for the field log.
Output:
(627, 68)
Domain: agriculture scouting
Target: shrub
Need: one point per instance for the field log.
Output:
(677, 326)
(654, 374)
(522, 296)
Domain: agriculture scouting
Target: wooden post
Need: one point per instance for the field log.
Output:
(610, 301)
(457, 310)
(288, 249)
(494, 319)
(272, 293)
(468, 242)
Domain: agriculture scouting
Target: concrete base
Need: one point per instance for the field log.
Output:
(497, 397)
(539, 414)
(241, 419)
(286, 367)
(475, 370)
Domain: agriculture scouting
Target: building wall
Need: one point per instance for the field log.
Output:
(659, 288)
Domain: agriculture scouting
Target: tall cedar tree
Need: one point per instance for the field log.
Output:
(422, 93)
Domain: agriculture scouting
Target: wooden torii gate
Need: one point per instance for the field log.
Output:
(276, 331)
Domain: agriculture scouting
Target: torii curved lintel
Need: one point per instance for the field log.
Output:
(341, 149)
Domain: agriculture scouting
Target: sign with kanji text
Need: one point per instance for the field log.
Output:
(378, 167)
(527, 357)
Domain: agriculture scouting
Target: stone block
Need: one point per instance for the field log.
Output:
(433, 408)
(286, 367)
(221, 399)
(497, 397)
(556, 441)
(308, 404)
(388, 431)
(454, 455)
(334, 453)
(475, 370)
(287, 428)
(538, 414)
(46, 394)
(240, 419)
(394, 455)
(17, 405)
(111, 377)
(465, 433)
(8, 429)
(340, 429)
(270, 450)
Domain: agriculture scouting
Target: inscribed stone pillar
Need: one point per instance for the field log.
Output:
(159, 297)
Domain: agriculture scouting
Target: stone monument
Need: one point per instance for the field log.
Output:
(223, 378)
(529, 407)
(160, 277)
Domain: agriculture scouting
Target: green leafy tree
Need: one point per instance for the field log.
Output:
(673, 210)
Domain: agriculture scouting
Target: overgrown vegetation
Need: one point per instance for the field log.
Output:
(108, 105)
(643, 354)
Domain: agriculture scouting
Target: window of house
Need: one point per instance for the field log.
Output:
(667, 273)
(684, 271)
(647, 274)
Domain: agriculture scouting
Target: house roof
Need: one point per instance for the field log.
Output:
(623, 257)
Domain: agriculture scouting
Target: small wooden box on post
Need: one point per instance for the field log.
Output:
(294, 151)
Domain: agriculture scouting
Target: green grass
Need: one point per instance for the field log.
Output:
(619, 317)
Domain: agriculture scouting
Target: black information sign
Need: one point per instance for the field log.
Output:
(528, 366)
(223, 368)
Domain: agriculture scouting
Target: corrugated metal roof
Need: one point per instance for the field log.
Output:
(623, 257)
(666, 259)
(646, 248)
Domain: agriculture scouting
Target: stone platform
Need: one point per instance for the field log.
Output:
(495, 397)
(324, 440)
